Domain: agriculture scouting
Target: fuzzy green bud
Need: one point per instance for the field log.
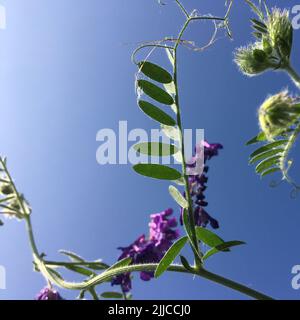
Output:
(6, 189)
(280, 31)
(253, 60)
(13, 209)
(277, 114)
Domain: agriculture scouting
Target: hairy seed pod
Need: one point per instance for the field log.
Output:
(277, 114)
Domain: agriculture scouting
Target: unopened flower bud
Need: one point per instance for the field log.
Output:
(280, 31)
(13, 209)
(6, 189)
(253, 60)
(48, 294)
(277, 114)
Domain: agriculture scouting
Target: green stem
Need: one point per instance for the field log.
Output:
(192, 225)
(109, 274)
(93, 293)
(183, 9)
(233, 285)
(293, 74)
(91, 264)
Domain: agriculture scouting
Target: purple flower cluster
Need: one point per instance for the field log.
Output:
(48, 294)
(151, 249)
(198, 186)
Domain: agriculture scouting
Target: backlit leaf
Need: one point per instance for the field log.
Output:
(156, 114)
(157, 171)
(158, 149)
(112, 295)
(268, 147)
(155, 72)
(208, 237)
(170, 256)
(223, 247)
(155, 92)
(178, 197)
(265, 164)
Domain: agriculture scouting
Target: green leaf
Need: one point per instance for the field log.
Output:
(267, 9)
(55, 274)
(259, 138)
(157, 171)
(80, 270)
(171, 89)
(260, 29)
(223, 247)
(269, 171)
(97, 265)
(178, 157)
(156, 114)
(265, 164)
(171, 132)
(112, 295)
(185, 263)
(155, 92)
(121, 263)
(170, 56)
(155, 149)
(255, 9)
(73, 256)
(257, 35)
(188, 231)
(170, 256)
(208, 237)
(259, 23)
(186, 224)
(155, 72)
(265, 155)
(81, 295)
(178, 197)
(268, 147)
(180, 182)
(129, 296)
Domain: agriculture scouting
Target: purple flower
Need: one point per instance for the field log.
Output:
(48, 294)
(151, 249)
(198, 186)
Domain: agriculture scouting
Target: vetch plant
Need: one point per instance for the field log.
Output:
(154, 254)
(279, 115)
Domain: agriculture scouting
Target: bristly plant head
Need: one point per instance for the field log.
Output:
(274, 40)
(253, 60)
(279, 114)
(280, 33)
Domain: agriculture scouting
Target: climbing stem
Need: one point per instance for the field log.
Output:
(109, 274)
(191, 218)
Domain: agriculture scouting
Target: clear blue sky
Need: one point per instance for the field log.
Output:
(65, 74)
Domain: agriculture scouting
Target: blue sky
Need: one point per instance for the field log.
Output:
(65, 74)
